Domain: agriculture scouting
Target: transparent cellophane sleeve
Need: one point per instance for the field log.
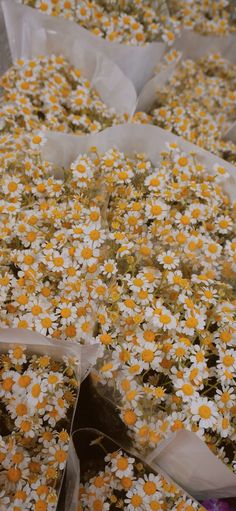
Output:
(86, 356)
(32, 34)
(183, 456)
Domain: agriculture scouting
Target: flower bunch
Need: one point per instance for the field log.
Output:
(126, 484)
(50, 92)
(169, 331)
(37, 395)
(198, 103)
(216, 17)
(133, 23)
(149, 253)
(51, 241)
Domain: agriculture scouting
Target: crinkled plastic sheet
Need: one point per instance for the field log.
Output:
(136, 62)
(183, 456)
(32, 34)
(86, 355)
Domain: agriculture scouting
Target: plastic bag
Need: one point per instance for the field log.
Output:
(91, 445)
(62, 149)
(192, 46)
(136, 62)
(186, 458)
(32, 34)
(86, 355)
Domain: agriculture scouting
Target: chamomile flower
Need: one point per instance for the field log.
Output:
(168, 260)
(204, 412)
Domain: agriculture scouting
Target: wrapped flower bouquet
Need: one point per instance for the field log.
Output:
(112, 478)
(38, 390)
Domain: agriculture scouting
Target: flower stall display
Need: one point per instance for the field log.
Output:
(195, 99)
(38, 389)
(112, 478)
(118, 256)
(48, 92)
(167, 323)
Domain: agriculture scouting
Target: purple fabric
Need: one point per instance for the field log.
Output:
(217, 505)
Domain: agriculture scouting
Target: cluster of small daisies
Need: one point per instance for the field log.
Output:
(168, 334)
(198, 103)
(126, 484)
(122, 21)
(216, 17)
(49, 92)
(51, 243)
(146, 252)
(37, 395)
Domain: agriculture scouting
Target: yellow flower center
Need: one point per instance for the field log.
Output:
(36, 389)
(228, 360)
(168, 259)
(147, 356)
(149, 336)
(58, 261)
(24, 380)
(36, 310)
(40, 505)
(12, 187)
(37, 139)
(204, 412)
(191, 322)
(165, 319)
(136, 500)
(156, 210)
(212, 248)
(87, 253)
(187, 389)
(60, 456)
(182, 161)
(185, 220)
(21, 409)
(122, 463)
(46, 322)
(149, 488)
(7, 384)
(52, 379)
(130, 417)
(14, 474)
(106, 339)
(65, 312)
